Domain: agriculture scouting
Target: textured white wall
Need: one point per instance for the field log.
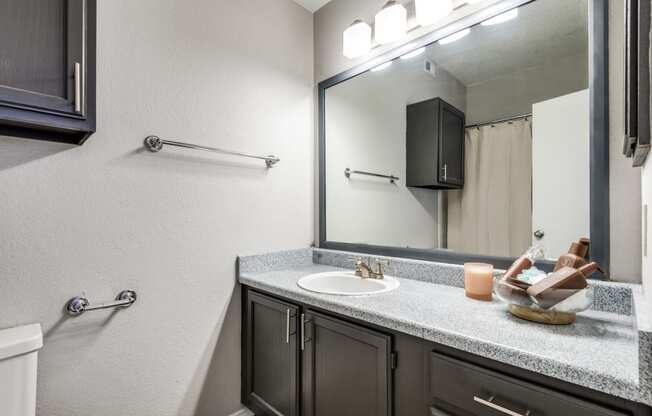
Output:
(107, 216)
(625, 182)
(646, 199)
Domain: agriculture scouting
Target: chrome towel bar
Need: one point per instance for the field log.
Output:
(348, 172)
(155, 144)
(79, 304)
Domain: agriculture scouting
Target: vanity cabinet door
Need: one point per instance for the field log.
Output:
(47, 69)
(271, 356)
(346, 368)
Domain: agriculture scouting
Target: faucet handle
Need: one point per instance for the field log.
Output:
(380, 264)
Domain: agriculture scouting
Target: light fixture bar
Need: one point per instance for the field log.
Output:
(455, 36)
(414, 53)
(382, 66)
(501, 18)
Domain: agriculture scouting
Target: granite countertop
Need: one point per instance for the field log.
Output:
(599, 351)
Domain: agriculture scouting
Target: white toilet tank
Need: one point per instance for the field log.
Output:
(18, 357)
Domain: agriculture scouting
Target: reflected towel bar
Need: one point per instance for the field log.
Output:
(155, 143)
(79, 304)
(348, 172)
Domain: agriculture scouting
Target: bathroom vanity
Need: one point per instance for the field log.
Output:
(469, 144)
(426, 349)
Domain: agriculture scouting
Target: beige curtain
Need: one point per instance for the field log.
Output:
(492, 214)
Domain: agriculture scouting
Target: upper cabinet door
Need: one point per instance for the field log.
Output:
(47, 69)
(346, 369)
(451, 145)
(271, 356)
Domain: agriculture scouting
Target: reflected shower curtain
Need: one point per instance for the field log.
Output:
(493, 213)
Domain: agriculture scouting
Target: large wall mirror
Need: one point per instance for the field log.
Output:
(474, 142)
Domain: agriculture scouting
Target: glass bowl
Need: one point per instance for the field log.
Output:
(555, 306)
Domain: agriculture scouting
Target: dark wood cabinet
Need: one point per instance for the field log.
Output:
(271, 356)
(47, 69)
(299, 360)
(435, 145)
(346, 369)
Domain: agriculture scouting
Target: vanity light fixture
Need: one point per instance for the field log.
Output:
(356, 39)
(474, 1)
(455, 36)
(391, 22)
(430, 11)
(382, 66)
(413, 54)
(501, 18)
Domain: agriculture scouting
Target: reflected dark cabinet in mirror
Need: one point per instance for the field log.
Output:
(47, 69)
(435, 145)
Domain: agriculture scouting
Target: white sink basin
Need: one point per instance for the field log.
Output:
(346, 283)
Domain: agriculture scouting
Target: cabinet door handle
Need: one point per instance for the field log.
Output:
(445, 169)
(490, 403)
(78, 88)
(434, 411)
(303, 331)
(287, 326)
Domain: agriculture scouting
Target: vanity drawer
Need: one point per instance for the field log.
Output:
(471, 390)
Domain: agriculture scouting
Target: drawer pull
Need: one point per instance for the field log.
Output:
(438, 412)
(490, 403)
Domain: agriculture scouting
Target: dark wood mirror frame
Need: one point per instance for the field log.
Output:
(599, 140)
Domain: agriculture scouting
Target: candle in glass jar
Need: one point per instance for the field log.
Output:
(478, 280)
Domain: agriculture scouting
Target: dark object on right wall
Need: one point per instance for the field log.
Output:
(47, 69)
(637, 80)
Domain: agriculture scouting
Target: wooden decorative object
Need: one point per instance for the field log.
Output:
(541, 316)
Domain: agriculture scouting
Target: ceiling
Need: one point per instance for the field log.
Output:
(312, 5)
(544, 31)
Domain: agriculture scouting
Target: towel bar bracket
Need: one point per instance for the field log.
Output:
(79, 304)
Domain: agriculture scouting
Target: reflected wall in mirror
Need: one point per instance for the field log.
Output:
(487, 132)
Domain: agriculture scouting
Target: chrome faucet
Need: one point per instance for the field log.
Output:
(365, 271)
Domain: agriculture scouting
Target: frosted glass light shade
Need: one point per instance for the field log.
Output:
(474, 1)
(391, 22)
(431, 11)
(356, 39)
